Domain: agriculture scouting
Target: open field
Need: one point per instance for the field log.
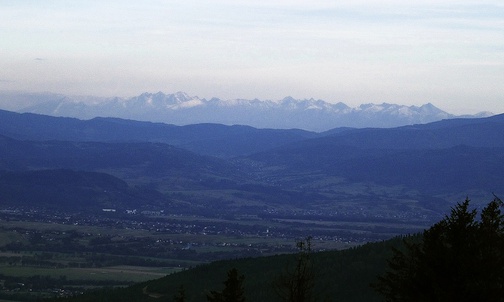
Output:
(126, 274)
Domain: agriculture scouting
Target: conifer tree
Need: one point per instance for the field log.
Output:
(296, 285)
(233, 291)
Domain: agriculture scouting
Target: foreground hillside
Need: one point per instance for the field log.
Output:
(340, 276)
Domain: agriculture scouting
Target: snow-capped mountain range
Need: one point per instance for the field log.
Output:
(181, 109)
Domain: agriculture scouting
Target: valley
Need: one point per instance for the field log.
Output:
(110, 202)
(74, 252)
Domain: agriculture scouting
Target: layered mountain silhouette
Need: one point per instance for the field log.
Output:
(418, 169)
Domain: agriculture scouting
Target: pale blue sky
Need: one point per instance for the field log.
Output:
(449, 53)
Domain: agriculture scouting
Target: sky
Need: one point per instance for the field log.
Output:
(449, 53)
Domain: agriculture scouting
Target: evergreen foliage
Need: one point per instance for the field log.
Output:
(233, 292)
(458, 259)
(297, 285)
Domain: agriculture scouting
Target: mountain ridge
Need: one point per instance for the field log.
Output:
(209, 139)
(182, 109)
(427, 164)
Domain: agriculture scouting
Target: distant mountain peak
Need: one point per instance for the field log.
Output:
(288, 99)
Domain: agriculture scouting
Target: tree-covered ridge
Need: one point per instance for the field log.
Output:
(460, 258)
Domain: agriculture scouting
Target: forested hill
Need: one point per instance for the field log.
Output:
(208, 139)
(231, 141)
(64, 189)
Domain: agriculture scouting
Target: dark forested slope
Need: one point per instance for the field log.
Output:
(339, 276)
(72, 190)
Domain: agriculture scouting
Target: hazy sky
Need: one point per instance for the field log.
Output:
(450, 53)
